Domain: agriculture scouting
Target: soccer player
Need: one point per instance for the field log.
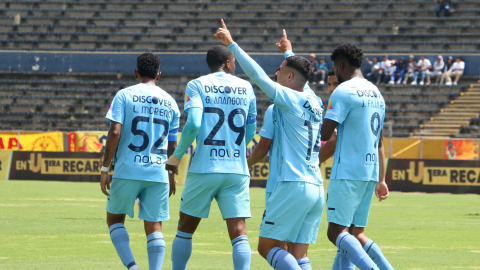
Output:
(144, 126)
(357, 109)
(295, 207)
(221, 110)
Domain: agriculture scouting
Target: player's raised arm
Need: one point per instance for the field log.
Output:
(284, 45)
(249, 66)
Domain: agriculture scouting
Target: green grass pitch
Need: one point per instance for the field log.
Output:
(56, 225)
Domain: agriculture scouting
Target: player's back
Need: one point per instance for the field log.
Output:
(228, 104)
(298, 118)
(148, 116)
(359, 108)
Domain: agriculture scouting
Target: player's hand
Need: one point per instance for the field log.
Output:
(172, 164)
(381, 191)
(224, 35)
(173, 184)
(333, 138)
(284, 44)
(105, 183)
(249, 163)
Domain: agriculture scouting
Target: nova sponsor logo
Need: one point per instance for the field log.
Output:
(224, 153)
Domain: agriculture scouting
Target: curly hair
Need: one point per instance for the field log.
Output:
(148, 65)
(350, 52)
(331, 72)
(217, 55)
(300, 64)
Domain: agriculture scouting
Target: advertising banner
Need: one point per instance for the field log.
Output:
(58, 166)
(5, 156)
(452, 176)
(26, 141)
(461, 150)
(91, 141)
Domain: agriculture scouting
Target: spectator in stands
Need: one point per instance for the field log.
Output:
(447, 67)
(400, 68)
(411, 67)
(456, 70)
(423, 67)
(443, 5)
(438, 67)
(322, 69)
(386, 69)
(313, 65)
(373, 73)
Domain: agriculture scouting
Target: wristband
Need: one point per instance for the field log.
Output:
(104, 169)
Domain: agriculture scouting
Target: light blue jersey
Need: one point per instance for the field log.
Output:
(297, 117)
(228, 104)
(149, 118)
(267, 131)
(359, 108)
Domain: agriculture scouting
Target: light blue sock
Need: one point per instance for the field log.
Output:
(121, 241)
(181, 250)
(373, 250)
(282, 260)
(242, 254)
(353, 250)
(304, 263)
(345, 263)
(336, 262)
(156, 250)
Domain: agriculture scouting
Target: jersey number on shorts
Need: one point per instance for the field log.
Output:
(146, 139)
(315, 147)
(221, 119)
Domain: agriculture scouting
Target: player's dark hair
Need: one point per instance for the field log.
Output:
(350, 52)
(148, 65)
(459, 57)
(300, 64)
(331, 72)
(217, 55)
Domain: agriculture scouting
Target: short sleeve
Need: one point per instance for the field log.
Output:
(174, 124)
(338, 106)
(267, 130)
(252, 109)
(117, 109)
(193, 99)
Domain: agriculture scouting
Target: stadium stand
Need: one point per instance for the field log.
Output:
(78, 100)
(387, 26)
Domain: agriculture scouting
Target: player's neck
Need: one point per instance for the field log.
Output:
(148, 81)
(218, 70)
(355, 74)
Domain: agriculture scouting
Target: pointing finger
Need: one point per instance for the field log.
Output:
(223, 24)
(284, 34)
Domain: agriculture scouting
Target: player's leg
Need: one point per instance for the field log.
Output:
(153, 210)
(195, 204)
(241, 252)
(283, 220)
(123, 194)
(233, 199)
(299, 251)
(360, 220)
(277, 257)
(341, 261)
(344, 196)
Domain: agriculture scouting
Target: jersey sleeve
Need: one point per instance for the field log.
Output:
(174, 124)
(267, 130)
(252, 110)
(117, 108)
(339, 106)
(193, 99)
